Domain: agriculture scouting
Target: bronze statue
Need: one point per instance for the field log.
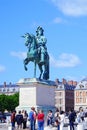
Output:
(37, 52)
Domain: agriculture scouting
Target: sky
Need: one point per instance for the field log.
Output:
(65, 27)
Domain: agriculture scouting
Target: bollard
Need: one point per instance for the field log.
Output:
(80, 126)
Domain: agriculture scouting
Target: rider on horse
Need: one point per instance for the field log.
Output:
(37, 52)
(41, 43)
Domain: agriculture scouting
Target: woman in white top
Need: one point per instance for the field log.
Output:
(62, 116)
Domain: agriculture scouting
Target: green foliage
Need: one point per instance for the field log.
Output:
(9, 102)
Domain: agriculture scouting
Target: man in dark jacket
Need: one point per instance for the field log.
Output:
(19, 120)
(72, 116)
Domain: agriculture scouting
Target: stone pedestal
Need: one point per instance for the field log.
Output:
(37, 93)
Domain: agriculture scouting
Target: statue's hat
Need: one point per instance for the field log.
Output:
(39, 28)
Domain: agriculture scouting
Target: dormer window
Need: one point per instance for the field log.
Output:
(81, 86)
(13, 89)
(7, 89)
(60, 86)
(86, 85)
(4, 90)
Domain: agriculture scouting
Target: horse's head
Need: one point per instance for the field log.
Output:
(29, 38)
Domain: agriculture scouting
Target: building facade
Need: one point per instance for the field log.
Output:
(9, 89)
(64, 95)
(80, 93)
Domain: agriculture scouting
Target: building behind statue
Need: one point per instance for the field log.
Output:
(68, 94)
(9, 89)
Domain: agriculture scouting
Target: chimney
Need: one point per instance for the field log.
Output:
(10, 84)
(74, 83)
(57, 81)
(63, 81)
(4, 84)
(70, 82)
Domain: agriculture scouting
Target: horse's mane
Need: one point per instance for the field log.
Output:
(32, 35)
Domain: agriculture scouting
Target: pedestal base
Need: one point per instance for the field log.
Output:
(36, 93)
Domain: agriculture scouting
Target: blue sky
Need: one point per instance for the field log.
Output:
(65, 27)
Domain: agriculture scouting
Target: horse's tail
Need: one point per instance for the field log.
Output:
(46, 72)
(47, 68)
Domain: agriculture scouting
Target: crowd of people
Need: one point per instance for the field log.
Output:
(22, 117)
(38, 119)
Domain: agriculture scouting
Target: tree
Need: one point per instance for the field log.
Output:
(9, 102)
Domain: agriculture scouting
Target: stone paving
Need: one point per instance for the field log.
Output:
(4, 126)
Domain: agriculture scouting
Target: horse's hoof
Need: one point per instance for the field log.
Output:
(25, 68)
(39, 78)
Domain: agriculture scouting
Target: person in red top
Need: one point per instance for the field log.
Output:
(40, 119)
(13, 119)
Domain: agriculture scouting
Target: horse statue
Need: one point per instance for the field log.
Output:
(33, 55)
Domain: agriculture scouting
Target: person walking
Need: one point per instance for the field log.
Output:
(72, 116)
(49, 118)
(13, 119)
(40, 120)
(62, 117)
(32, 118)
(19, 120)
(25, 116)
(57, 119)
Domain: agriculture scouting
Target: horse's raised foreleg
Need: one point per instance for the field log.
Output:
(25, 63)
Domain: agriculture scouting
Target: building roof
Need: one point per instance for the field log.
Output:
(9, 86)
(82, 84)
(61, 86)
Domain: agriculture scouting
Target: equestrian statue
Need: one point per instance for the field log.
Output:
(37, 53)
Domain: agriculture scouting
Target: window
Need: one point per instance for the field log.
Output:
(13, 89)
(77, 100)
(81, 86)
(80, 94)
(8, 90)
(4, 90)
(60, 93)
(86, 85)
(84, 100)
(60, 101)
(86, 94)
(80, 100)
(77, 94)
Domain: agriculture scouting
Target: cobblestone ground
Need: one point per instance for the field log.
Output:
(6, 127)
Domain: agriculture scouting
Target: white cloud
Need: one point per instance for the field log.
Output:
(65, 60)
(57, 20)
(2, 68)
(20, 55)
(72, 7)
